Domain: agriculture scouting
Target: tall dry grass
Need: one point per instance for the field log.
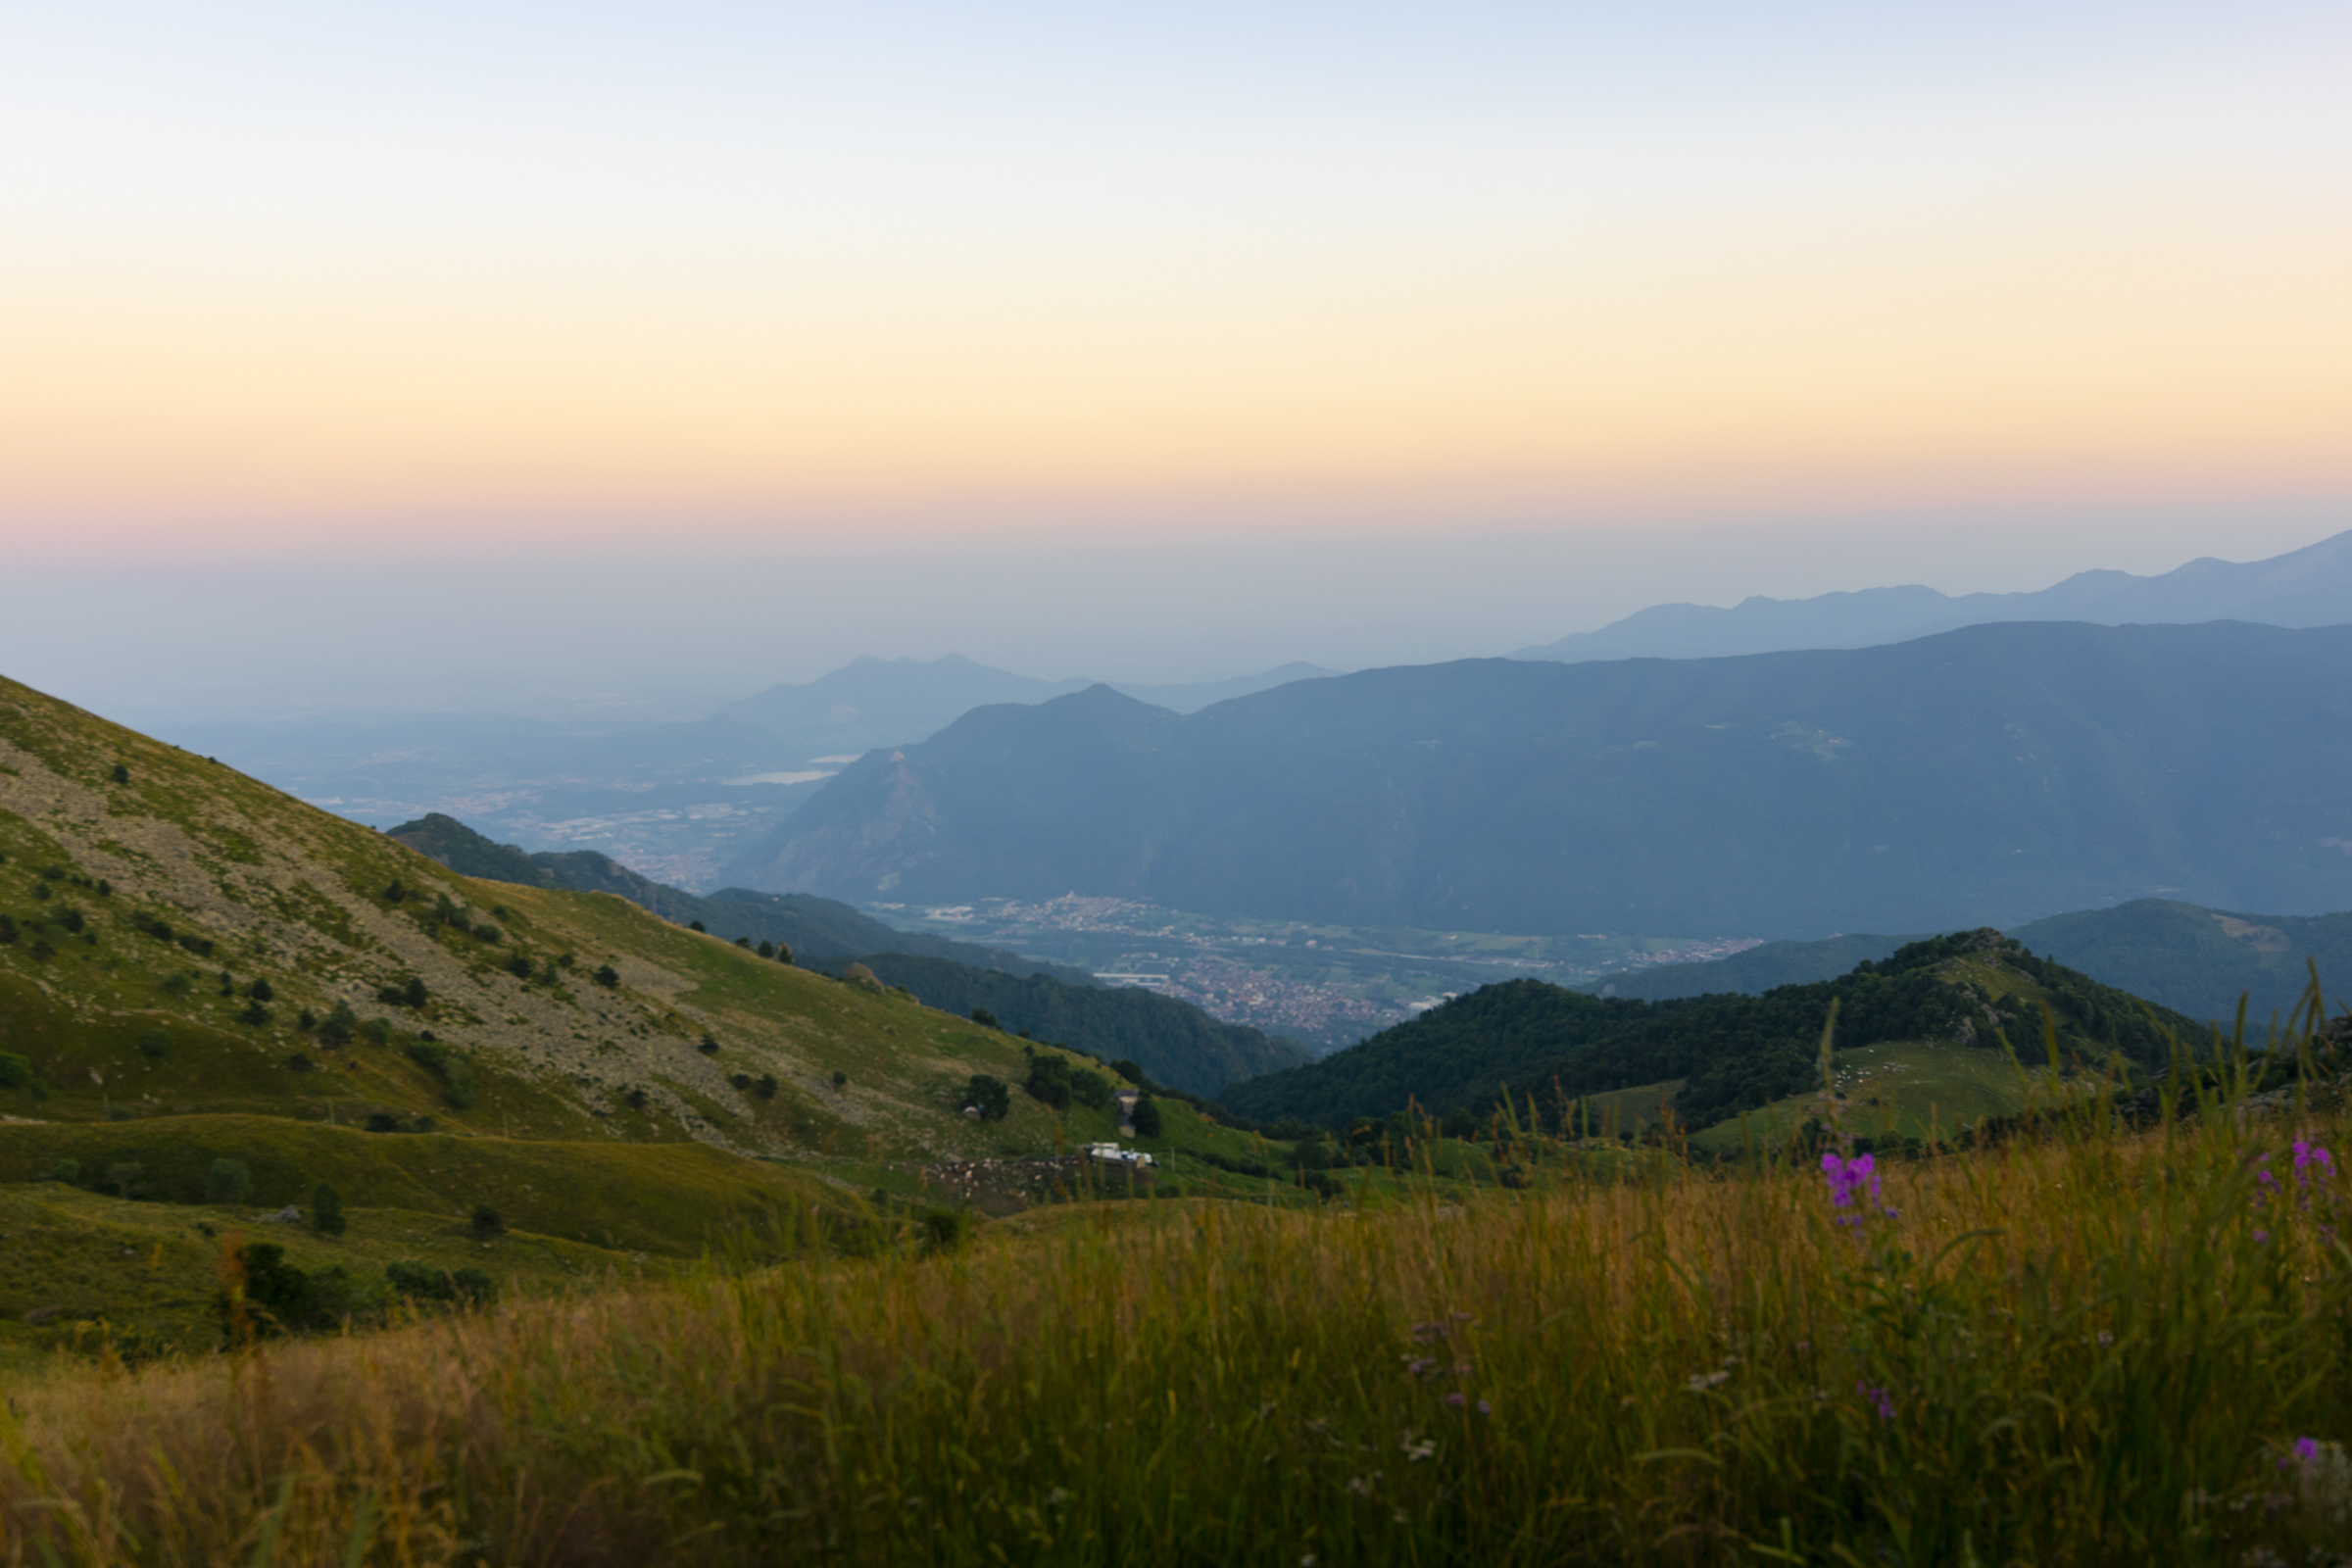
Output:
(2092, 1347)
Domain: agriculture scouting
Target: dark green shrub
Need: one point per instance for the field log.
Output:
(423, 1284)
(106, 889)
(382, 1121)
(176, 985)
(299, 1062)
(123, 1176)
(255, 1014)
(280, 1297)
(488, 933)
(608, 977)
(767, 949)
(71, 920)
(743, 942)
(376, 1031)
(156, 1044)
(8, 929)
(306, 1020)
(765, 1088)
(989, 1095)
(486, 1223)
(260, 991)
(985, 1018)
(638, 1098)
(1144, 1118)
(697, 925)
(326, 1210)
(414, 993)
(457, 1084)
(783, 954)
(15, 1072)
(740, 1080)
(340, 1025)
(121, 774)
(709, 1047)
(944, 1230)
(395, 891)
(519, 966)
(68, 1171)
(227, 1182)
(1090, 1088)
(841, 1080)
(1049, 1081)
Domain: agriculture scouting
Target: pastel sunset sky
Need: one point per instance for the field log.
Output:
(315, 284)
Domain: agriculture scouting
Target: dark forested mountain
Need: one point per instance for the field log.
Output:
(1174, 1042)
(1731, 1052)
(2308, 587)
(1990, 775)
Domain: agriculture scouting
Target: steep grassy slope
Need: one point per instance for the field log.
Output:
(1173, 1041)
(144, 906)
(1731, 1052)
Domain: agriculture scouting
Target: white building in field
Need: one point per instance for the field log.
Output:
(1113, 1155)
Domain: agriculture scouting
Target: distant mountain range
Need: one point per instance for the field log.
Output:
(1987, 776)
(887, 702)
(2195, 961)
(1173, 1041)
(2308, 587)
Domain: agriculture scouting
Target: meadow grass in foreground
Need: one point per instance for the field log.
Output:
(2091, 1346)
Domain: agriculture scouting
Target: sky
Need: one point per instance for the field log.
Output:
(698, 346)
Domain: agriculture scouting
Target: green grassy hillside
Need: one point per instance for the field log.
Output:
(179, 938)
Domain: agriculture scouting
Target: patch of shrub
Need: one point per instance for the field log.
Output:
(519, 966)
(944, 1230)
(124, 1177)
(376, 1031)
(300, 1062)
(260, 991)
(697, 925)
(1144, 1118)
(767, 949)
(340, 1025)
(743, 942)
(227, 1182)
(280, 1297)
(456, 1075)
(739, 1080)
(638, 1098)
(488, 933)
(202, 947)
(608, 977)
(382, 1121)
(8, 929)
(485, 1223)
(121, 774)
(1049, 1081)
(987, 1095)
(709, 1047)
(176, 984)
(68, 1171)
(765, 1088)
(1090, 1088)
(423, 1284)
(15, 1072)
(255, 1014)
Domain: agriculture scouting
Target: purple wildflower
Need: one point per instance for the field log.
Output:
(1847, 1178)
(2307, 1448)
(1484, 1408)
(1878, 1397)
(1455, 1400)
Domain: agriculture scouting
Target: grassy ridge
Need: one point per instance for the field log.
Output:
(2092, 1347)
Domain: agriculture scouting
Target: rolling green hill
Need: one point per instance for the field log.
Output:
(1729, 1052)
(2198, 961)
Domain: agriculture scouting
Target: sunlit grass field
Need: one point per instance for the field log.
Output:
(2087, 1345)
